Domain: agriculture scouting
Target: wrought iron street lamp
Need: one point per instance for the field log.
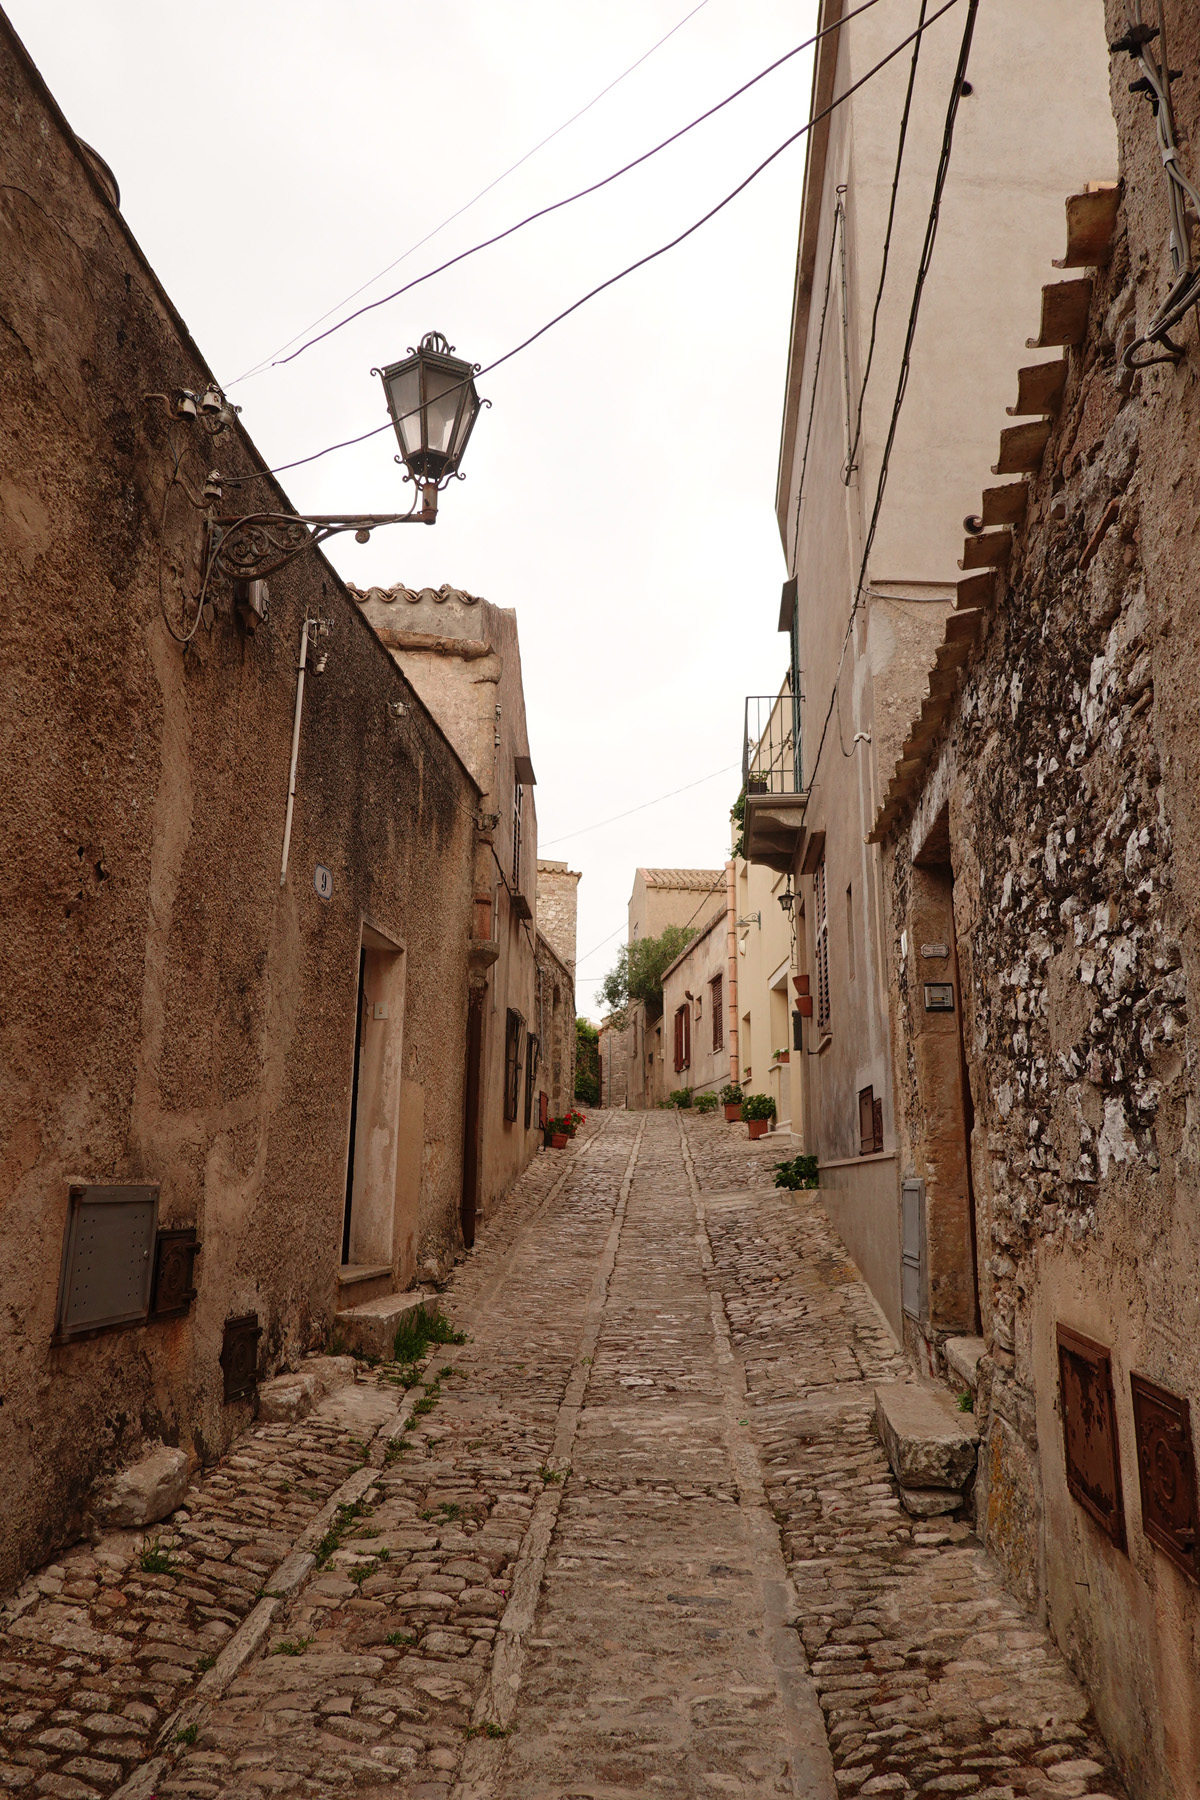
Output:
(433, 403)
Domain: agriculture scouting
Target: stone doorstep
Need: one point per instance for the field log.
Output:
(962, 1358)
(929, 1442)
(927, 1503)
(371, 1328)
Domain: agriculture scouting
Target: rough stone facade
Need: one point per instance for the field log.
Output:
(557, 907)
(555, 1075)
(172, 1015)
(614, 1063)
(1047, 862)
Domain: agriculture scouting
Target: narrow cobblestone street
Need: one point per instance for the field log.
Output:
(635, 1534)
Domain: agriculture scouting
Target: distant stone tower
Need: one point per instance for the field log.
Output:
(556, 906)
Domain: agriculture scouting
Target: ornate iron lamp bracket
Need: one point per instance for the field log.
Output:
(258, 544)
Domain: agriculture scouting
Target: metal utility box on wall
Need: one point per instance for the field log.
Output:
(107, 1260)
(914, 1276)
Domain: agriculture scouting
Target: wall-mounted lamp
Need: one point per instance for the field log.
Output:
(754, 918)
(787, 900)
(433, 403)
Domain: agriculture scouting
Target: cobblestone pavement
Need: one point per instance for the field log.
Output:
(586, 1556)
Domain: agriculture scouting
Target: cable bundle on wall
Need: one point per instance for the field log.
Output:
(1155, 83)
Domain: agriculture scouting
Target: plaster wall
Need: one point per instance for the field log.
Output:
(765, 965)
(462, 655)
(688, 982)
(171, 1014)
(662, 897)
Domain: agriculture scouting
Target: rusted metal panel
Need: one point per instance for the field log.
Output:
(1162, 1426)
(1090, 1430)
(174, 1273)
(106, 1262)
(239, 1356)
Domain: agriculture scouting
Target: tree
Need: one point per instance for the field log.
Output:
(587, 1063)
(638, 971)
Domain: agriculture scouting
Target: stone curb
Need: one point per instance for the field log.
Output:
(280, 1586)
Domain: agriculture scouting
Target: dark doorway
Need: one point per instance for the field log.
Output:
(359, 1032)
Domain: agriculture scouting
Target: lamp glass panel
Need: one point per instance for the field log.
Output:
(466, 418)
(443, 396)
(404, 389)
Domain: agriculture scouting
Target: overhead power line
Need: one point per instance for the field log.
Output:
(258, 367)
(657, 801)
(580, 194)
(651, 256)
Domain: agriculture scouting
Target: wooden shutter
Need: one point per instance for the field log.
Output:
(866, 1121)
(717, 989)
(687, 1037)
(512, 1064)
(822, 947)
(878, 1124)
(531, 1064)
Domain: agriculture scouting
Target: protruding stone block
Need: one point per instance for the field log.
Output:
(927, 1503)
(290, 1397)
(146, 1491)
(929, 1442)
(962, 1358)
(371, 1328)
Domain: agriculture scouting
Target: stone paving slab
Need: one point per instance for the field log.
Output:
(636, 1535)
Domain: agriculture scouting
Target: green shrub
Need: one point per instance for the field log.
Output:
(587, 1062)
(731, 1094)
(681, 1097)
(705, 1103)
(801, 1172)
(417, 1331)
(758, 1106)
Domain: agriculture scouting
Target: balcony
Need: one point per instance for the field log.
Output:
(771, 772)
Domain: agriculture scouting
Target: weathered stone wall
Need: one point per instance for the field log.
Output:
(1067, 789)
(556, 1026)
(614, 1064)
(170, 1014)
(557, 905)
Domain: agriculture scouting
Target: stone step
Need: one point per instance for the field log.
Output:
(292, 1396)
(929, 1442)
(370, 1329)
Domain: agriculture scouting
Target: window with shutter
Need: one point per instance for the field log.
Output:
(518, 798)
(512, 1064)
(683, 1038)
(822, 946)
(879, 1124)
(717, 988)
(531, 1065)
(866, 1121)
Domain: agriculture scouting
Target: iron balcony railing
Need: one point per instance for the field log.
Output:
(771, 744)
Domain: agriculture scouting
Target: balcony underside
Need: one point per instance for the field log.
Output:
(773, 828)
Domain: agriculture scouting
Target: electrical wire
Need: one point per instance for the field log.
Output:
(657, 801)
(887, 246)
(582, 193)
(923, 266)
(259, 367)
(642, 261)
(1155, 83)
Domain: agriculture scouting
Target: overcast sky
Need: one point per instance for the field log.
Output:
(273, 157)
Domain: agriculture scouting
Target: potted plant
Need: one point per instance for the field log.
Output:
(560, 1133)
(758, 1110)
(731, 1100)
(705, 1103)
(782, 1056)
(800, 1172)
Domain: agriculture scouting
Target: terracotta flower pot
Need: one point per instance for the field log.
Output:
(757, 1127)
(733, 1110)
(559, 1140)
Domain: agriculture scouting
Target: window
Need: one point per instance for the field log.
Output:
(683, 1037)
(870, 1122)
(822, 946)
(850, 931)
(518, 799)
(512, 1064)
(531, 1065)
(717, 988)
